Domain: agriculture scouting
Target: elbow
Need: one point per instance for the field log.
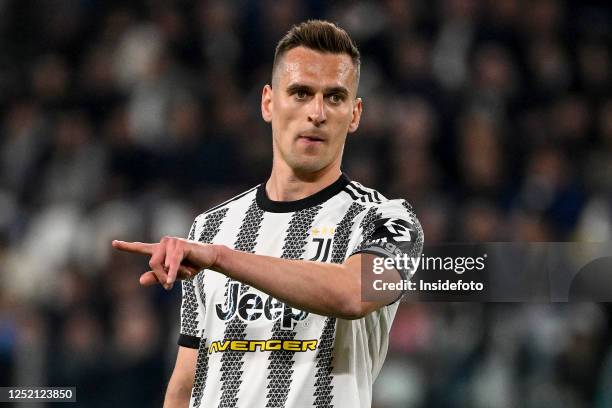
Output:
(354, 315)
(352, 308)
(348, 301)
(177, 396)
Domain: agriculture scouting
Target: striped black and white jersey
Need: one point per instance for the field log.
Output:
(255, 351)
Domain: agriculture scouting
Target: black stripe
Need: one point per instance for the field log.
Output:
(371, 196)
(368, 198)
(280, 363)
(343, 232)
(350, 192)
(189, 305)
(324, 378)
(189, 309)
(323, 383)
(192, 231)
(239, 196)
(212, 226)
(359, 190)
(235, 329)
(367, 227)
(417, 248)
(201, 373)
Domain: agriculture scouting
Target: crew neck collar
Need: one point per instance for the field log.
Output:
(317, 198)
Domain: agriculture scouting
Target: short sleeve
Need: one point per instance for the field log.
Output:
(389, 230)
(190, 308)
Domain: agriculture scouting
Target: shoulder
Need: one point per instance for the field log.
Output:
(362, 194)
(376, 206)
(385, 220)
(387, 226)
(222, 208)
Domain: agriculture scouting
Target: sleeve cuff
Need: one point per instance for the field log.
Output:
(189, 341)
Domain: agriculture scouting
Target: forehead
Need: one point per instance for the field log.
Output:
(315, 68)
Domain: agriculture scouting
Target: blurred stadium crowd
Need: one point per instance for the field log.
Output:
(127, 119)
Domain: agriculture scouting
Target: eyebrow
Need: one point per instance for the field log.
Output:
(305, 88)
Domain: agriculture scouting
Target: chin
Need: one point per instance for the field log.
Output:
(307, 169)
(308, 166)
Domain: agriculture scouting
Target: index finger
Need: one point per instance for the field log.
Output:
(135, 247)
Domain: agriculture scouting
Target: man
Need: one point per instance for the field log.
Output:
(272, 312)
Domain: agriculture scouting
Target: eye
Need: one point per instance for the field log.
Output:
(336, 98)
(300, 95)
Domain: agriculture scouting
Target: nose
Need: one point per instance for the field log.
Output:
(317, 113)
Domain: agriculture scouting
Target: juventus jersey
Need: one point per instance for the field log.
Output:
(255, 351)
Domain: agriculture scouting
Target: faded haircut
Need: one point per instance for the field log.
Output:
(318, 35)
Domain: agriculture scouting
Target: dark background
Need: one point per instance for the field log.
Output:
(492, 117)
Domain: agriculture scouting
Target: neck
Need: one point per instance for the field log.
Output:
(287, 185)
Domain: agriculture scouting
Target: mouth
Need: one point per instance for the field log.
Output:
(311, 138)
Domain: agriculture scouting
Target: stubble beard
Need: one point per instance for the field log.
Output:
(303, 164)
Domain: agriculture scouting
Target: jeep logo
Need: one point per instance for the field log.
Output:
(251, 307)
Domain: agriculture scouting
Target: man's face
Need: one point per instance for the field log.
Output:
(312, 105)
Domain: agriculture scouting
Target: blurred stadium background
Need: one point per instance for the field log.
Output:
(127, 119)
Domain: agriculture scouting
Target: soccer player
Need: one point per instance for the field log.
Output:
(272, 312)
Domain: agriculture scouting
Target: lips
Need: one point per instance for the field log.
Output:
(311, 138)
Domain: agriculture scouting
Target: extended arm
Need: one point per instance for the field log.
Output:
(326, 289)
(321, 288)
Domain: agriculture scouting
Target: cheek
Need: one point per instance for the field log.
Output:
(284, 114)
(346, 116)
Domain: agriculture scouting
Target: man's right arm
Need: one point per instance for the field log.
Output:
(181, 381)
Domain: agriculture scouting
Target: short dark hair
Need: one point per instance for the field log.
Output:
(318, 35)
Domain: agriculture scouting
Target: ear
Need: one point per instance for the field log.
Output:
(357, 108)
(266, 103)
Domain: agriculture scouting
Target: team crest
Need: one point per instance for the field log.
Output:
(322, 238)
